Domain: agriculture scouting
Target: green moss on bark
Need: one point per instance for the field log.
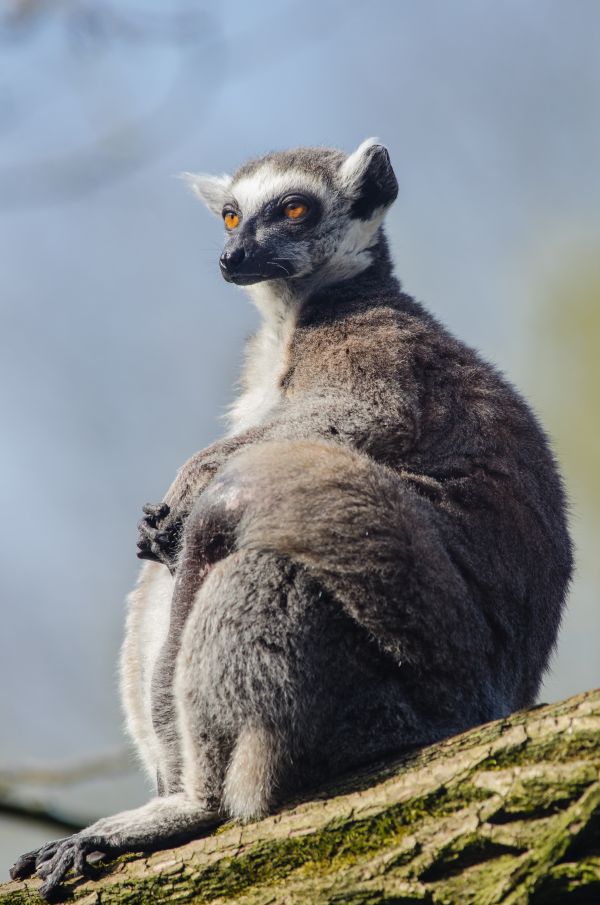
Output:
(509, 812)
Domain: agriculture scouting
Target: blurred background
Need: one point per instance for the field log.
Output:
(121, 344)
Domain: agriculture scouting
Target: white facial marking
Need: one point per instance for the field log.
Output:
(267, 184)
(352, 254)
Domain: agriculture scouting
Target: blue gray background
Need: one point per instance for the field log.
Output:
(121, 343)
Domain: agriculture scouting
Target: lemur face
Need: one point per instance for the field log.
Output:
(295, 214)
(274, 223)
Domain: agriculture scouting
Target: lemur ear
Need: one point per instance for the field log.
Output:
(213, 190)
(368, 178)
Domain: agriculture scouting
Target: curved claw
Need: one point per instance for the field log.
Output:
(23, 866)
(31, 862)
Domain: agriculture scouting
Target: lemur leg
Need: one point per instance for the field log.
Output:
(272, 663)
(334, 510)
(161, 822)
(245, 673)
(385, 554)
(280, 630)
(175, 815)
(195, 759)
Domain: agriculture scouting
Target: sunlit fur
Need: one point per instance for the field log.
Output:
(375, 557)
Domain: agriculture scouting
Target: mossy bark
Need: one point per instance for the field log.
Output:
(508, 812)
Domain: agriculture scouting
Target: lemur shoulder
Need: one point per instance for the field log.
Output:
(374, 557)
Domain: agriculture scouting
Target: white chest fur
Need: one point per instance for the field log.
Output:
(267, 357)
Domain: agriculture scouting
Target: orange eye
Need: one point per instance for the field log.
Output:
(295, 209)
(231, 220)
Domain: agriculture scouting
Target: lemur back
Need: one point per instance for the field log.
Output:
(376, 555)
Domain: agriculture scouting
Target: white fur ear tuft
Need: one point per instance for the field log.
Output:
(353, 168)
(213, 190)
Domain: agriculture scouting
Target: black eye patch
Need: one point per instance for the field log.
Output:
(273, 212)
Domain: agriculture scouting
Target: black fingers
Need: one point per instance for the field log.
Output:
(146, 553)
(148, 531)
(27, 864)
(54, 860)
(146, 534)
(55, 869)
(159, 534)
(155, 513)
(23, 867)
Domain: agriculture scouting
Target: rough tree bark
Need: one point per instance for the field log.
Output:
(508, 812)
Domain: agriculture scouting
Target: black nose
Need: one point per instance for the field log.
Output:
(232, 258)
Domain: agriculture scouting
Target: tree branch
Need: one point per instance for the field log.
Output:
(506, 813)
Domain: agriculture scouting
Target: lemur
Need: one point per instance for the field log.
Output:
(374, 557)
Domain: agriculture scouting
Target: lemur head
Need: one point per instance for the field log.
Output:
(305, 216)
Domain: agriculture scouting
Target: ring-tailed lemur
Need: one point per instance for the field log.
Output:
(375, 557)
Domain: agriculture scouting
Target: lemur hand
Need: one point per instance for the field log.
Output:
(161, 528)
(54, 860)
(159, 534)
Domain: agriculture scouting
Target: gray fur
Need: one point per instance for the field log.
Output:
(322, 163)
(375, 558)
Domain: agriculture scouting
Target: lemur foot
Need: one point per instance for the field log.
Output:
(54, 860)
(159, 534)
